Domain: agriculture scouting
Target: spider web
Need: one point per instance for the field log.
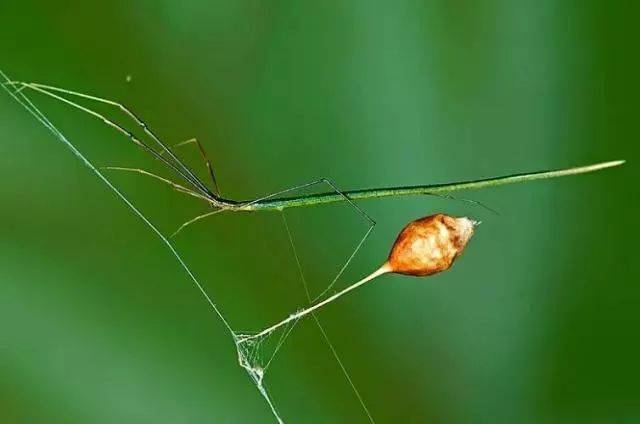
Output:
(256, 352)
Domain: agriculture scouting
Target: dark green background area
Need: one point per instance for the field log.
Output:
(537, 323)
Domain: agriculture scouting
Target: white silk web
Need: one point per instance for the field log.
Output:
(252, 353)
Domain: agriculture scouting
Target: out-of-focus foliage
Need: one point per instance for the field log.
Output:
(536, 323)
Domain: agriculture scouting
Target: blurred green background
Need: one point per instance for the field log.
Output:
(537, 323)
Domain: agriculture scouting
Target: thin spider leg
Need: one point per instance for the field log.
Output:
(180, 168)
(281, 192)
(206, 160)
(372, 224)
(196, 219)
(137, 120)
(175, 186)
(471, 201)
(362, 213)
(351, 202)
(16, 90)
(95, 114)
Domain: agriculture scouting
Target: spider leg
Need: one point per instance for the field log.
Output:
(194, 220)
(205, 158)
(175, 186)
(175, 164)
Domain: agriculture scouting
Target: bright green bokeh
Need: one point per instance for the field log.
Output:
(537, 323)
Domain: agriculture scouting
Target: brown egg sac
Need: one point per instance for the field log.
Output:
(430, 245)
